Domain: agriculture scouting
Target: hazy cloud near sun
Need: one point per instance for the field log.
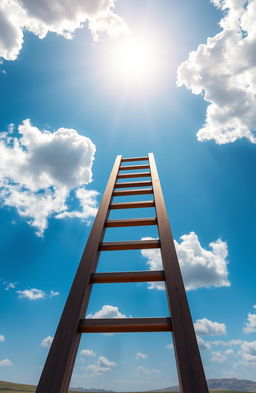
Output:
(62, 17)
(39, 169)
(200, 267)
(224, 71)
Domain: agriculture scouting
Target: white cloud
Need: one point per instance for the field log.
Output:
(169, 346)
(205, 327)
(5, 362)
(100, 366)
(229, 351)
(203, 345)
(146, 372)
(87, 353)
(2, 338)
(31, 294)
(47, 341)
(53, 293)
(39, 169)
(229, 343)
(103, 361)
(250, 326)
(62, 17)
(201, 268)
(107, 311)
(254, 306)
(248, 353)
(218, 357)
(9, 285)
(223, 70)
(140, 355)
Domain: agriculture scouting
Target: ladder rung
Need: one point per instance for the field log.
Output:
(130, 245)
(134, 184)
(134, 159)
(135, 174)
(116, 277)
(141, 191)
(131, 205)
(125, 325)
(131, 222)
(131, 167)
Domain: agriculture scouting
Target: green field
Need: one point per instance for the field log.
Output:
(8, 387)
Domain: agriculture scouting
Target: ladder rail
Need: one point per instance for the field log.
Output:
(59, 365)
(189, 365)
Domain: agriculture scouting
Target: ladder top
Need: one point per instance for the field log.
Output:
(134, 159)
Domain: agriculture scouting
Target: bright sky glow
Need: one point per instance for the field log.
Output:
(135, 60)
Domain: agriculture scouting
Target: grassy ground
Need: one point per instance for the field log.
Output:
(8, 387)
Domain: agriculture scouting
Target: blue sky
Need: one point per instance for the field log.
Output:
(196, 112)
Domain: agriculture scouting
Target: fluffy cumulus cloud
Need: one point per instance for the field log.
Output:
(31, 294)
(250, 326)
(229, 343)
(107, 311)
(53, 293)
(205, 327)
(140, 355)
(201, 268)
(9, 285)
(142, 371)
(5, 362)
(203, 345)
(39, 171)
(218, 357)
(248, 353)
(47, 341)
(223, 70)
(87, 352)
(62, 17)
(2, 338)
(100, 366)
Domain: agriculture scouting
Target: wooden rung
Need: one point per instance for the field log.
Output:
(135, 174)
(132, 167)
(134, 184)
(117, 277)
(132, 205)
(125, 325)
(134, 159)
(140, 191)
(129, 245)
(131, 222)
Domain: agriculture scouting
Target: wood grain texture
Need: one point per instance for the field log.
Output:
(137, 276)
(140, 191)
(133, 167)
(133, 184)
(134, 174)
(189, 364)
(125, 325)
(130, 245)
(132, 205)
(134, 159)
(131, 222)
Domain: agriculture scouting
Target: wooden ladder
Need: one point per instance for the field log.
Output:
(59, 365)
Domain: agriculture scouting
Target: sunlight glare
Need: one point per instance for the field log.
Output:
(135, 60)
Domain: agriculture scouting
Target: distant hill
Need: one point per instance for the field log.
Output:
(222, 385)
(226, 384)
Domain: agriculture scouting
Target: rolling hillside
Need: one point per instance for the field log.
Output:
(9, 387)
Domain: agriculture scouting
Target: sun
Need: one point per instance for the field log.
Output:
(134, 60)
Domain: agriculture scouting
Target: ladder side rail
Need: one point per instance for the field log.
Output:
(189, 365)
(59, 365)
